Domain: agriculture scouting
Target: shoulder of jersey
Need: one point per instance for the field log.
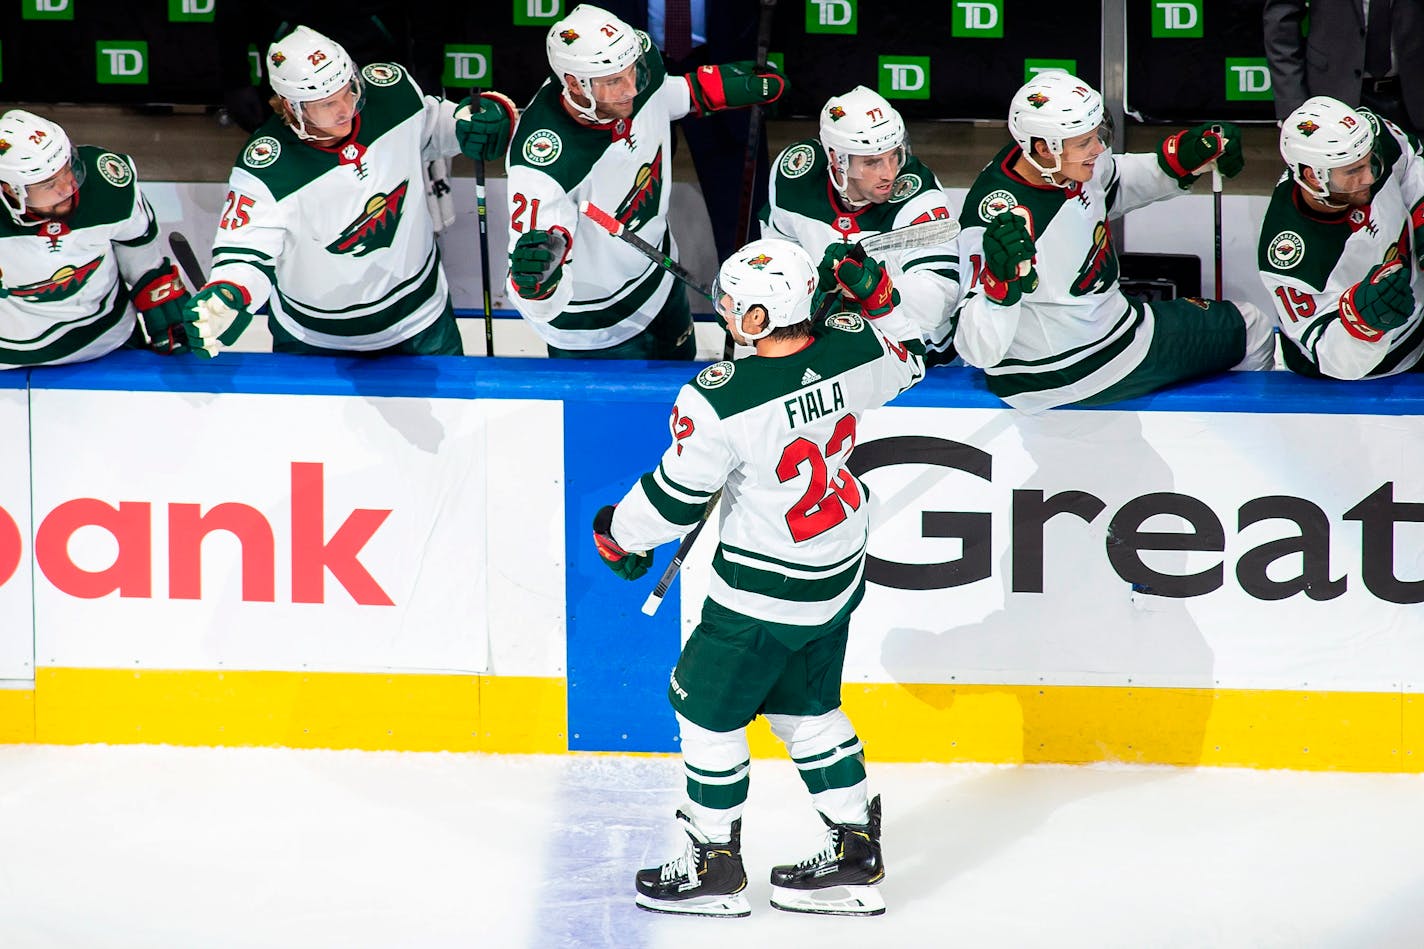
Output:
(111, 169)
(548, 139)
(801, 160)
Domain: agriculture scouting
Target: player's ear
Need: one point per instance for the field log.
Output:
(755, 320)
(1308, 174)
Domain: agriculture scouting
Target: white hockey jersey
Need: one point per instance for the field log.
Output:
(802, 207)
(1077, 334)
(339, 240)
(609, 292)
(1308, 260)
(775, 435)
(64, 285)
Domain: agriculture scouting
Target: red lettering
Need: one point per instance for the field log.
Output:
(312, 557)
(132, 570)
(186, 530)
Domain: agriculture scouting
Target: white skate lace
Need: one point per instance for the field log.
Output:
(682, 867)
(829, 852)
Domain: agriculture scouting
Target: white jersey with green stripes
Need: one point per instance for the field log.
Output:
(775, 435)
(1309, 259)
(1077, 334)
(803, 207)
(64, 284)
(339, 239)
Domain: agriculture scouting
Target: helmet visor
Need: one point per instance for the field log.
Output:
(58, 187)
(616, 92)
(334, 112)
(1089, 145)
(1358, 176)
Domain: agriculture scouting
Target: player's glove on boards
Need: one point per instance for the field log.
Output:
(1186, 154)
(1380, 302)
(482, 125)
(627, 565)
(215, 317)
(1007, 245)
(734, 86)
(159, 296)
(536, 265)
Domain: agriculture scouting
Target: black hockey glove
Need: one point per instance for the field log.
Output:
(629, 566)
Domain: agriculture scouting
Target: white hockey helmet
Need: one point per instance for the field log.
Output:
(305, 67)
(33, 153)
(591, 43)
(860, 122)
(1325, 134)
(1055, 105)
(774, 274)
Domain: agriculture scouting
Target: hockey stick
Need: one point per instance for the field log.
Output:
(617, 228)
(749, 164)
(1216, 211)
(187, 260)
(481, 213)
(911, 235)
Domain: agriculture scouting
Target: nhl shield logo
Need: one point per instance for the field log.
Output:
(716, 375)
(1287, 250)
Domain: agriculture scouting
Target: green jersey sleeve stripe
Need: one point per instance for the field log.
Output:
(682, 492)
(668, 507)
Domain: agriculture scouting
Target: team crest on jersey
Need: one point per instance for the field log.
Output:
(640, 204)
(845, 322)
(1287, 250)
(798, 160)
(543, 147)
(1099, 271)
(261, 152)
(906, 186)
(996, 203)
(62, 284)
(716, 375)
(1307, 128)
(114, 169)
(382, 74)
(375, 228)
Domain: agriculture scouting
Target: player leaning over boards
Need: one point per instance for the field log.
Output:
(773, 432)
(1335, 245)
(1044, 316)
(325, 216)
(599, 131)
(79, 251)
(860, 179)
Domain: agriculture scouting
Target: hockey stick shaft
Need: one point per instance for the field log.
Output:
(616, 227)
(1216, 226)
(187, 260)
(482, 212)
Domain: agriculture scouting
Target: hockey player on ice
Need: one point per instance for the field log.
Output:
(1042, 314)
(773, 432)
(325, 218)
(860, 179)
(599, 130)
(79, 252)
(1336, 244)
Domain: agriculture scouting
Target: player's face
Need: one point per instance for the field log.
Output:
(612, 95)
(331, 117)
(1350, 184)
(53, 197)
(1080, 155)
(872, 177)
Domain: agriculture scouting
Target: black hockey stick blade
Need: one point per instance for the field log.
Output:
(187, 261)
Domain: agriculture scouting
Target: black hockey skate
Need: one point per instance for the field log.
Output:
(841, 879)
(707, 880)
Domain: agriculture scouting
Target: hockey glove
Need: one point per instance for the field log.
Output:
(1008, 245)
(159, 297)
(627, 565)
(536, 265)
(866, 281)
(484, 134)
(1186, 155)
(734, 86)
(214, 317)
(1380, 302)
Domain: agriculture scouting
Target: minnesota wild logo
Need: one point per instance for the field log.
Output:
(1307, 128)
(837, 113)
(4, 146)
(1099, 271)
(1037, 99)
(375, 228)
(278, 59)
(641, 203)
(568, 36)
(62, 284)
(759, 262)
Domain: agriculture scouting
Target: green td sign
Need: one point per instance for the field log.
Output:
(977, 19)
(121, 62)
(832, 16)
(1248, 78)
(1032, 67)
(47, 10)
(1176, 19)
(537, 12)
(191, 11)
(904, 77)
(467, 65)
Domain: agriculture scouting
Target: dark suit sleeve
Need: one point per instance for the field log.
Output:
(1285, 52)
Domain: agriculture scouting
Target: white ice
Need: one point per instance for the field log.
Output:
(156, 847)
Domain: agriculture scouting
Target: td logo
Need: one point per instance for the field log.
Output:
(467, 65)
(978, 19)
(904, 77)
(47, 10)
(121, 61)
(191, 11)
(1248, 78)
(1032, 67)
(1177, 19)
(537, 12)
(832, 16)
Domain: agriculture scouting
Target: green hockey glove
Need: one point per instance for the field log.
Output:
(159, 297)
(1380, 302)
(734, 86)
(483, 133)
(1186, 154)
(536, 265)
(1008, 259)
(868, 283)
(215, 317)
(629, 566)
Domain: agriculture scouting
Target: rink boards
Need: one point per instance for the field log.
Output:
(312, 553)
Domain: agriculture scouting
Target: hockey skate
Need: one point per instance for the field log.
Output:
(707, 880)
(841, 879)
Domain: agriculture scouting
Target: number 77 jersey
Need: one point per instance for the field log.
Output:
(775, 434)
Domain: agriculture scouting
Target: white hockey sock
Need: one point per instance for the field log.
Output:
(718, 768)
(1260, 338)
(828, 754)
